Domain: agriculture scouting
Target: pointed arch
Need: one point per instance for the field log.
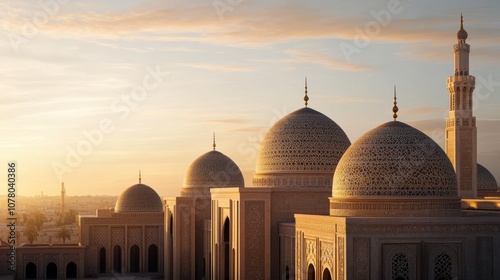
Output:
(134, 264)
(153, 258)
(311, 274)
(71, 270)
(102, 260)
(30, 271)
(117, 259)
(225, 236)
(51, 271)
(326, 274)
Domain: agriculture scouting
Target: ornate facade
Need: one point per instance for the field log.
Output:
(126, 239)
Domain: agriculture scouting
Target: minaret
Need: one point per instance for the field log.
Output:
(63, 195)
(461, 132)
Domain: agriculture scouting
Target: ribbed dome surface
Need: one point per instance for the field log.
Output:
(394, 170)
(485, 180)
(212, 170)
(302, 149)
(139, 198)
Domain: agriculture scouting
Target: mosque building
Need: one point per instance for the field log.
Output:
(392, 205)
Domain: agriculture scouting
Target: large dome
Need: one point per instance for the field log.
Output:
(139, 198)
(212, 170)
(485, 180)
(395, 170)
(300, 150)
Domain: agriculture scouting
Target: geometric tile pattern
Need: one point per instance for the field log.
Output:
(213, 170)
(134, 236)
(395, 159)
(485, 180)
(139, 198)
(303, 143)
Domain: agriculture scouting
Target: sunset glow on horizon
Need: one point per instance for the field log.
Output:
(94, 91)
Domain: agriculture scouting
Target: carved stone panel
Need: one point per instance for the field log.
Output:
(361, 258)
(255, 239)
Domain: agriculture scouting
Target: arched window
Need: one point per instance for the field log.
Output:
(117, 259)
(311, 275)
(30, 272)
(71, 270)
(443, 267)
(153, 258)
(400, 267)
(226, 249)
(51, 271)
(134, 258)
(102, 260)
(171, 251)
(326, 274)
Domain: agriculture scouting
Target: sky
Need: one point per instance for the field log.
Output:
(94, 91)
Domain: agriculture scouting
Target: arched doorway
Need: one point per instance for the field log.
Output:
(171, 248)
(102, 260)
(30, 272)
(287, 273)
(51, 271)
(134, 258)
(153, 258)
(226, 249)
(311, 275)
(71, 270)
(117, 259)
(326, 274)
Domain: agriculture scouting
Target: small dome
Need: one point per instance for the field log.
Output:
(300, 150)
(395, 170)
(485, 180)
(462, 34)
(139, 198)
(212, 170)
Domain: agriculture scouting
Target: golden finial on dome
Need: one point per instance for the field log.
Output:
(395, 109)
(139, 176)
(461, 21)
(213, 145)
(306, 98)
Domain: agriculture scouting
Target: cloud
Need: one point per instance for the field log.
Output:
(218, 67)
(247, 25)
(226, 121)
(352, 99)
(326, 60)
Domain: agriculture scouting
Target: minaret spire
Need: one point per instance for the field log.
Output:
(140, 179)
(213, 144)
(461, 21)
(395, 108)
(306, 98)
(63, 196)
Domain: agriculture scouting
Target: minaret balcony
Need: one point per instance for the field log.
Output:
(461, 79)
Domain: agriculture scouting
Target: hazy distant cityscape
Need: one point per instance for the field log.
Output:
(50, 207)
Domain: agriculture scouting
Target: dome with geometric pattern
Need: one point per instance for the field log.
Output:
(395, 170)
(300, 150)
(485, 180)
(139, 198)
(212, 170)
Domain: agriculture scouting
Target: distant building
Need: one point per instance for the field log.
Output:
(127, 239)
